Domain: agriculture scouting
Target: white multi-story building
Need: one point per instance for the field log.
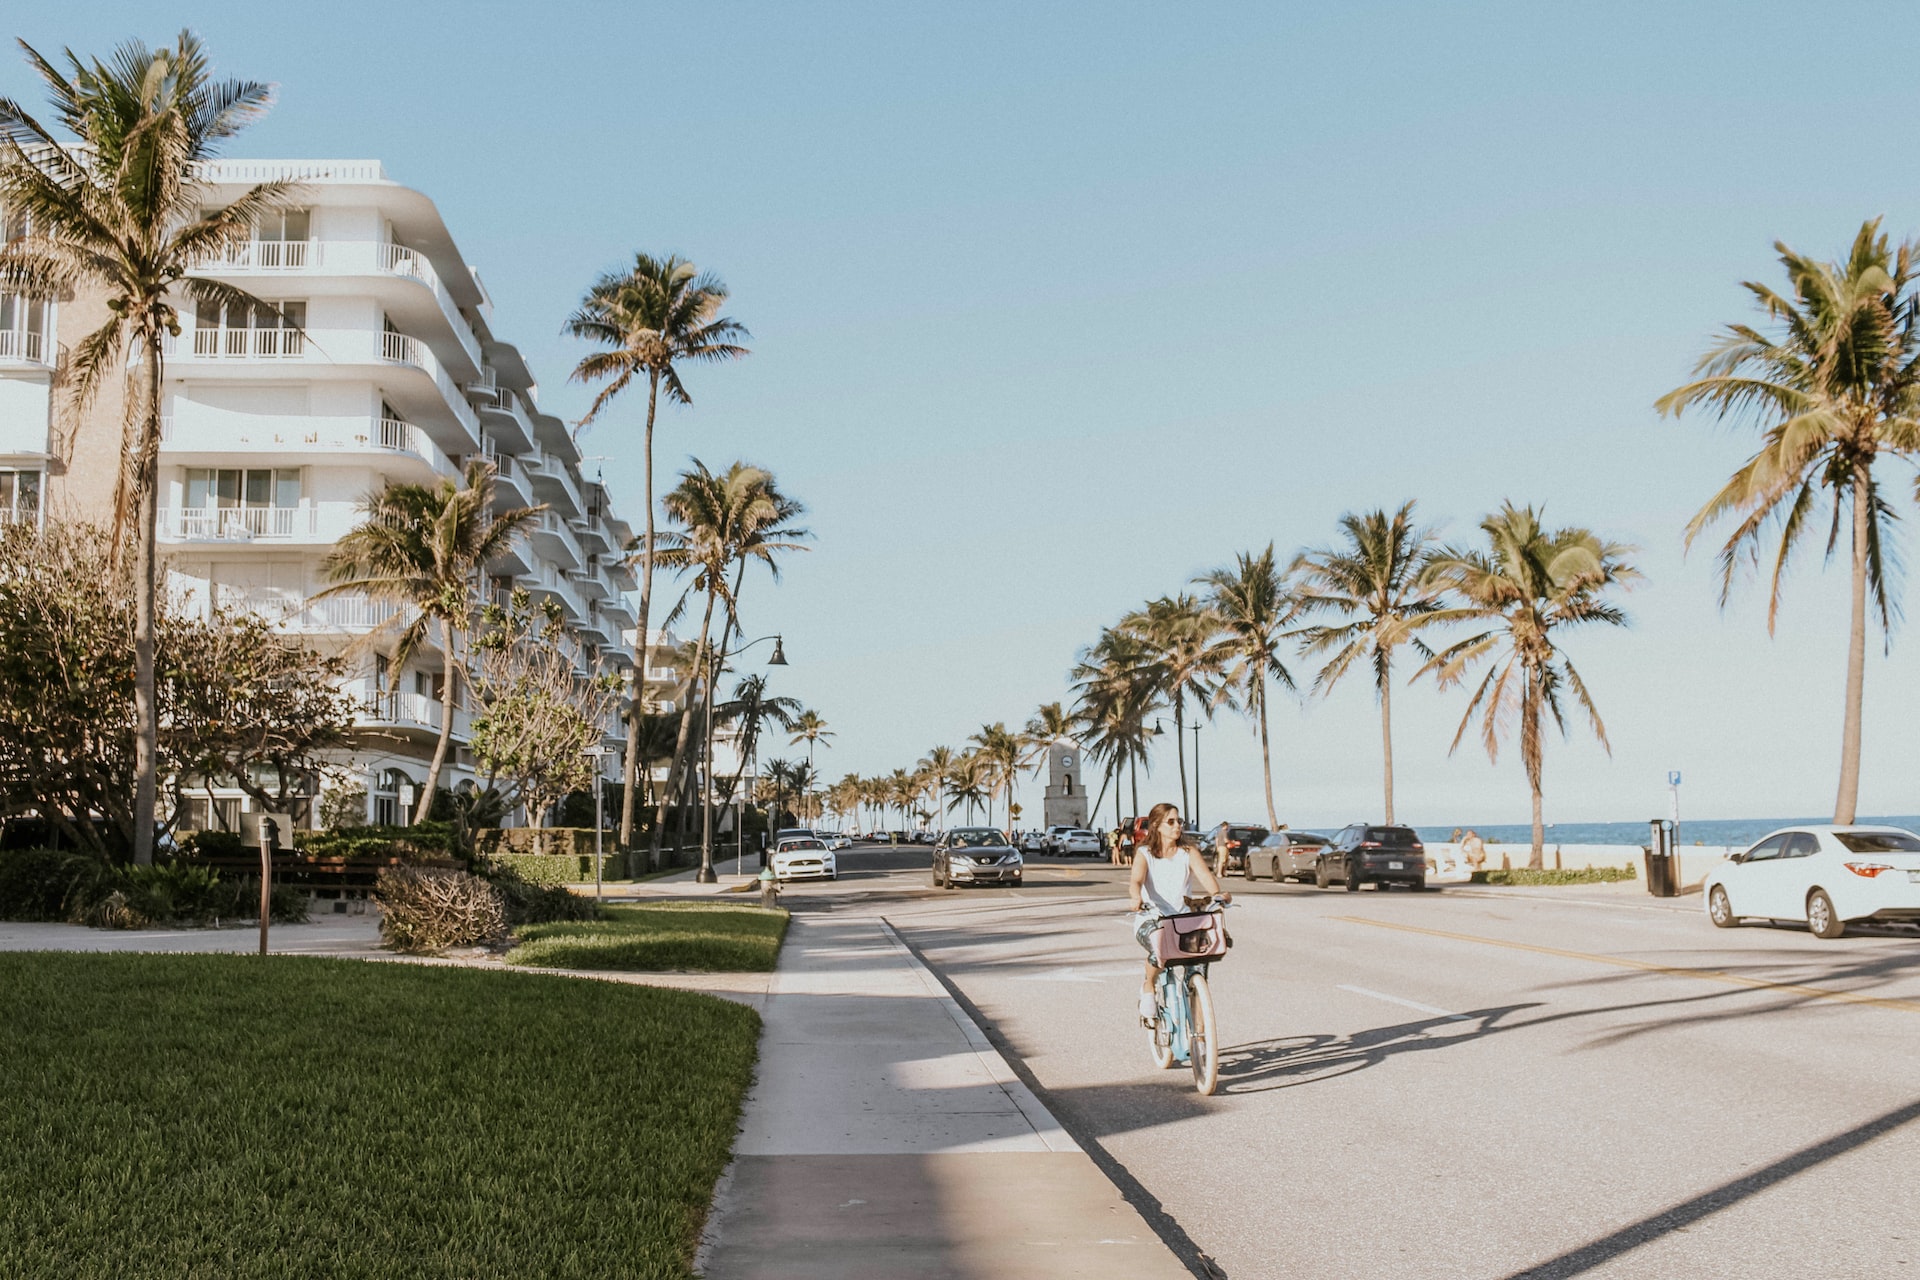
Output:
(375, 364)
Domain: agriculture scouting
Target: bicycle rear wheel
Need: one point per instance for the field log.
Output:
(1203, 1045)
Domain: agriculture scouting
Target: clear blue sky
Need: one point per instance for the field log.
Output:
(1056, 306)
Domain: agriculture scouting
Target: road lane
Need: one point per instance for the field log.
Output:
(1573, 1087)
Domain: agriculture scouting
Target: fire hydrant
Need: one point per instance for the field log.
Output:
(769, 890)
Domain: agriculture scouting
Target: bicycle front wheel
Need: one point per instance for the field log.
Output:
(1203, 1044)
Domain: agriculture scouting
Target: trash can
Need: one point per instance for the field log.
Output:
(1663, 872)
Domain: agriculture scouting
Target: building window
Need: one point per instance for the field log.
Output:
(198, 813)
(233, 502)
(23, 328)
(392, 798)
(19, 496)
(268, 330)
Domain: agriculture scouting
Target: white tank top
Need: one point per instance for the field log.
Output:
(1168, 880)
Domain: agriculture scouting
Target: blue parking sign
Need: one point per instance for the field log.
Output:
(1673, 778)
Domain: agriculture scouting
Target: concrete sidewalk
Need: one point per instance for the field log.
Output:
(885, 1137)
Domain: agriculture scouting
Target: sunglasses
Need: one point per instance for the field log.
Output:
(1171, 822)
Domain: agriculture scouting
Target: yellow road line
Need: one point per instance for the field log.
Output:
(1646, 966)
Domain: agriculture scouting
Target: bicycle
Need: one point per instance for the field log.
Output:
(1184, 1029)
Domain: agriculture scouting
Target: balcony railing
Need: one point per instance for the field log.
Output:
(24, 346)
(29, 514)
(248, 344)
(391, 706)
(211, 431)
(308, 522)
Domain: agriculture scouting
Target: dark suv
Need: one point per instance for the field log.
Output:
(1241, 836)
(1383, 855)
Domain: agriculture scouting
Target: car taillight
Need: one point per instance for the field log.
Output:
(1867, 869)
(1419, 848)
(1369, 844)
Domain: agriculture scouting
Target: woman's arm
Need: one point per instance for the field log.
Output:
(1204, 874)
(1137, 881)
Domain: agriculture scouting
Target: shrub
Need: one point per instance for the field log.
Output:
(423, 840)
(48, 884)
(423, 909)
(181, 893)
(572, 842)
(213, 844)
(1570, 875)
(538, 868)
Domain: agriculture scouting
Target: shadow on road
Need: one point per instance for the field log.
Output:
(1288, 1061)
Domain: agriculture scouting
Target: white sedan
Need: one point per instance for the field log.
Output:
(1079, 840)
(1826, 876)
(803, 858)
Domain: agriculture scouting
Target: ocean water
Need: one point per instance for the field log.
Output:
(1708, 831)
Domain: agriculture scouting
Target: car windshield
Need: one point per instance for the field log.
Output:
(1246, 833)
(1393, 837)
(1878, 841)
(788, 846)
(978, 839)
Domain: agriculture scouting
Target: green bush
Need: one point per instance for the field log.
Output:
(422, 840)
(49, 884)
(540, 868)
(565, 842)
(1571, 875)
(542, 904)
(213, 844)
(59, 885)
(424, 909)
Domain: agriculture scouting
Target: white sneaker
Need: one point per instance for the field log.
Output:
(1149, 1008)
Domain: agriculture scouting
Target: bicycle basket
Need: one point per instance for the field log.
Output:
(1194, 938)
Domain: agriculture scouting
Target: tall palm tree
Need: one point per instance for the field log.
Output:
(939, 764)
(120, 211)
(809, 727)
(428, 547)
(1116, 692)
(1530, 583)
(1178, 633)
(1252, 606)
(1834, 386)
(658, 314)
(969, 782)
(750, 709)
(999, 752)
(1374, 581)
(1049, 724)
(724, 521)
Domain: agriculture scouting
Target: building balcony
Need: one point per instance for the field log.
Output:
(551, 583)
(398, 447)
(554, 484)
(350, 263)
(589, 582)
(405, 368)
(617, 611)
(27, 348)
(412, 715)
(511, 487)
(349, 613)
(310, 523)
(553, 539)
(504, 415)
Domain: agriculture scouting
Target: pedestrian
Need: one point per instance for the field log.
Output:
(1475, 850)
(1222, 848)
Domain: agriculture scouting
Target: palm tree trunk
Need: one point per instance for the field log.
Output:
(1848, 799)
(669, 794)
(146, 708)
(1530, 705)
(1266, 752)
(448, 670)
(1386, 744)
(1180, 750)
(705, 778)
(646, 598)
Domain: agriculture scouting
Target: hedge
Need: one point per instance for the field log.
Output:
(1550, 875)
(552, 869)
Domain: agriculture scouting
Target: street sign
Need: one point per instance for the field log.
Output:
(1673, 778)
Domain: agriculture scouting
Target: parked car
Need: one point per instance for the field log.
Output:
(1363, 853)
(1035, 842)
(1080, 840)
(1826, 876)
(975, 855)
(803, 858)
(1286, 855)
(1055, 834)
(1241, 836)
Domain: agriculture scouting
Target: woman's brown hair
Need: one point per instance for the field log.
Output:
(1158, 843)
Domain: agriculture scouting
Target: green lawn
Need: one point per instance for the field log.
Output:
(706, 937)
(237, 1117)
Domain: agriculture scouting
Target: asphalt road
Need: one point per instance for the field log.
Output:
(1463, 1084)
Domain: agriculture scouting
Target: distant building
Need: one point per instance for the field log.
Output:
(1066, 802)
(375, 363)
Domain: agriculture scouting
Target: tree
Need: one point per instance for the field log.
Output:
(938, 765)
(1530, 583)
(536, 718)
(1374, 580)
(121, 211)
(661, 313)
(969, 782)
(428, 547)
(748, 710)
(1049, 724)
(1115, 692)
(725, 521)
(809, 727)
(1252, 605)
(1833, 387)
(999, 753)
(1176, 633)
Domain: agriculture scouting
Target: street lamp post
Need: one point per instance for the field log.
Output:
(599, 821)
(1196, 775)
(779, 659)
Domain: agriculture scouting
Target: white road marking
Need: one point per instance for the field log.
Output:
(1408, 1004)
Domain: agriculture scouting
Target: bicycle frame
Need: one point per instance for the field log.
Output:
(1174, 989)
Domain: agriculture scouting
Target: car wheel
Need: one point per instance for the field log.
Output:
(1353, 879)
(1822, 918)
(936, 878)
(1016, 882)
(1719, 910)
(1418, 886)
(1322, 878)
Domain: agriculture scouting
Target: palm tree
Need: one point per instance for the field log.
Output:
(750, 708)
(1530, 582)
(938, 765)
(428, 547)
(779, 780)
(661, 313)
(1049, 724)
(121, 212)
(1178, 633)
(1374, 581)
(1251, 604)
(1116, 691)
(808, 727)
(726, 521)
(969, 782)
(1833, 387)
(999, 753)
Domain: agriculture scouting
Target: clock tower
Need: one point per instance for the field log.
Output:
(1066, 803)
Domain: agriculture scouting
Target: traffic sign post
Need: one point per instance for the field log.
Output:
(1673, 782)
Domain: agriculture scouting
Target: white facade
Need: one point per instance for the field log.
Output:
(29, 350)
(375, 364)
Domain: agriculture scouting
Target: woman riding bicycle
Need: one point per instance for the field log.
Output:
(1167, 869)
